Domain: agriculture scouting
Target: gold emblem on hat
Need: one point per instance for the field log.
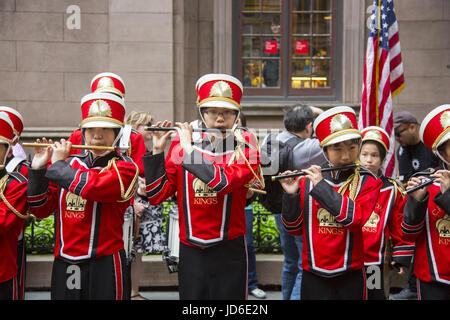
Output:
(221, 89)
(99, 108)
(373, 135)
(104, 83)
(340, 122)
(445, 119)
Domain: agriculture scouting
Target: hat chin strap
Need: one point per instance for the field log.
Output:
(437, 153)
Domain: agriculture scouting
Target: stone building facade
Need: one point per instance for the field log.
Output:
(161, 47)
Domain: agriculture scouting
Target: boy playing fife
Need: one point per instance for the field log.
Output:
(90, 192)
(329, 209)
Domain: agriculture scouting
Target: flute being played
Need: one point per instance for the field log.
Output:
(420, 186)
(105, 148)
(291, 175)
(194, 129)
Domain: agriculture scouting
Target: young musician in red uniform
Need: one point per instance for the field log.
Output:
(13, 211)
(90, 193)
(385, 221)
(108, 82)
(18, 164)
(211, 173)
(330, 209)
(426, 218)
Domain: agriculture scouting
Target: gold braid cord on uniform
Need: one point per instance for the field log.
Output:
(3, 182)
(126, 195)
(238, 151)
(353, 183)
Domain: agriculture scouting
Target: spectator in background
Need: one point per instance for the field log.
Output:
(149, 236)
(297, 150)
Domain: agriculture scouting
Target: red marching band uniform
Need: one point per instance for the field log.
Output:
(331, 214)
(428, 221)
(89, 195)
(386, 218)
(211, 185)
(13, 212)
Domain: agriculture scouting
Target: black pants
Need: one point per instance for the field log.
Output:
(348, 286)
(217, 272)
(104, 278)
(9, 289)
(433, 290)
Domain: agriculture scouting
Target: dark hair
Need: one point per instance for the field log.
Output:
(352, 141)
(380, 147)
(243, 119)
(116, 131)
(441, 148)
(297, 117)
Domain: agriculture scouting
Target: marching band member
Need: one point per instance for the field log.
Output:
(108, 82)
(330, 210)
(90, 193)
(13, 212)
(426, 218)
(385, 220)
(210, 173)
(19, 164)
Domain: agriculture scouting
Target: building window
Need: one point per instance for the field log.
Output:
(286, 47)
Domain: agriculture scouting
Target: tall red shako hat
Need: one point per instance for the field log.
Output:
(102, 110)
(108, 82)
(219, 90)
(377, 134)
(435, 128)
(6, 129)
(336, 125)
(16, 119)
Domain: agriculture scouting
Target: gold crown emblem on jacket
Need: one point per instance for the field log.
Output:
(340, 122)
(74, 202)
(326, 219)
(201, 189)
(443, 226)
(99, 108)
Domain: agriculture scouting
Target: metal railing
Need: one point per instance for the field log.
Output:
(40, 235)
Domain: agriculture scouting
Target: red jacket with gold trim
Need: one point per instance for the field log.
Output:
(210, 185)
(10, 224)
(331, 223)
(428, 223)
(384, 222)
(90, 198)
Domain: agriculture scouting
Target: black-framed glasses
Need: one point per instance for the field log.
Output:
(225, 114)
(398, 134)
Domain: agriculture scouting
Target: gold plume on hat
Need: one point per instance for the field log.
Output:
(340, 122)
(373, 134)
(221, 89)
(99, 108)
(445, 119)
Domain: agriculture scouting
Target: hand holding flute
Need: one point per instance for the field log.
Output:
(54, 151)
(290, 184)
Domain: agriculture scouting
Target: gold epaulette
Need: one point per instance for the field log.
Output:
(398, 187)
(126, 195)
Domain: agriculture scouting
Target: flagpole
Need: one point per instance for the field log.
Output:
(377, 67)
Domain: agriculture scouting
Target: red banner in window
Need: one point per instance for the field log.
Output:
(270, 47)
(301, 47)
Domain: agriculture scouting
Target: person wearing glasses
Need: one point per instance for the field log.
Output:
(211, 173)
(412, 156)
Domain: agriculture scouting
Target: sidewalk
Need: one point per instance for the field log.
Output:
(151, 295)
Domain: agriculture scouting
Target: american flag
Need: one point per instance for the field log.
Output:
(383, 75)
